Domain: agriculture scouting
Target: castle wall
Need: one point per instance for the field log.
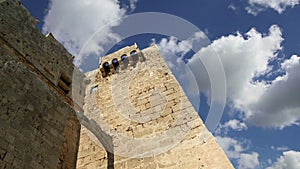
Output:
(38, 123)
(151, 121)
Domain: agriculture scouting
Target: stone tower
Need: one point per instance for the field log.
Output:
(143, 118)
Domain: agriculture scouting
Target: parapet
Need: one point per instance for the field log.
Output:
(121, 59)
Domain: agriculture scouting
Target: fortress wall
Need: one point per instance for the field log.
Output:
(38, 124)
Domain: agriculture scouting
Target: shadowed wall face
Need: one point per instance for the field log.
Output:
(38, 124)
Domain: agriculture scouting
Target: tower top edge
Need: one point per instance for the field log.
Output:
(125, 51)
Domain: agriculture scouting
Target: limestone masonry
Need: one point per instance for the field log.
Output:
(38, 124)
(130, 113)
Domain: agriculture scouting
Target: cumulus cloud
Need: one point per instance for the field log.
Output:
(73, 22)
(279, 104)
(279, 6)
(273, 103)
(237, 150)
(289, 159)
(245, 57)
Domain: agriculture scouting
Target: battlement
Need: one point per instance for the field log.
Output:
(119, 60)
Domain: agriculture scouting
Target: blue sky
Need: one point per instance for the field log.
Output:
(258, 42)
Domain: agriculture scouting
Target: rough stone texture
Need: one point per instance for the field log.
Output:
(137, 115)
(152, 123)
(38, 124)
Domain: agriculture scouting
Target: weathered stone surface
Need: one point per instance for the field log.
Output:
(38, 124)
(141, 99)
(135, 108)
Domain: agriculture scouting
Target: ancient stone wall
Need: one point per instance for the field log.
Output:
(137, 115)
(138, 102)
(38, 124)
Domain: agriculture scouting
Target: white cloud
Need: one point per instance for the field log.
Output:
(244, 57)
(274, 104)
(172, 50)
(257, 6)
(234, 124)
(279, 104)
(289, 160)
(281, 148)
(248, 161)
(232, 147)
(133, 4)
(72, 22)
(236, 150)
(232, 7)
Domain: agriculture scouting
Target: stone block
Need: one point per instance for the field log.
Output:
(9, 158)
